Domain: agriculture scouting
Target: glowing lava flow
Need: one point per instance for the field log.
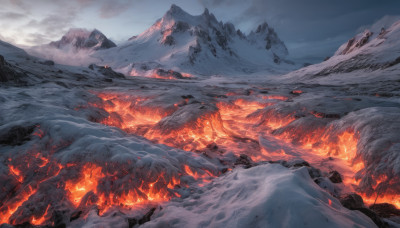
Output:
(10, 207)
(92, 176)
(105, 186)
(42, 219)
(127, 114)
(235, 127)
(87, 190)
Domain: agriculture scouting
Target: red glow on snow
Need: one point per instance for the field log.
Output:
(236, 119)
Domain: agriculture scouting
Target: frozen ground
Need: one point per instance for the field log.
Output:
(66, 161)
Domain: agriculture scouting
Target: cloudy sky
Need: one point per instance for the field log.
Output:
(310, 28)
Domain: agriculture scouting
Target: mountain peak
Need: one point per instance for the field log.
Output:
(176, 11)
(206, 12)
(262, 28)
(80, 38)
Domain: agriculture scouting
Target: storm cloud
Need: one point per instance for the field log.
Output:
(39, 22)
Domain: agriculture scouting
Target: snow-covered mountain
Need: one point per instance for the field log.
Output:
(377, 48)
(198, 44)
(179, 42)
(74, 48)
(78, 38)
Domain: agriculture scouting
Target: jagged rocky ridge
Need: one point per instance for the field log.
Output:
(83, 39)
(372, 50)
(200, 44)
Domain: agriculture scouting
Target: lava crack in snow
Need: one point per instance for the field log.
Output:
(235, 126)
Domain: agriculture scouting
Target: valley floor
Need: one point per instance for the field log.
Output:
(80, 148)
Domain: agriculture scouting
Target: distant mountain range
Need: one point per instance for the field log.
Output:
(202, 45)
(376, 48)
(79, 39)
(178, 41)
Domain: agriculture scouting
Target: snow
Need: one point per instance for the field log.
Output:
(264, 196)
(381, 52)
(74, 48)
(198, 45)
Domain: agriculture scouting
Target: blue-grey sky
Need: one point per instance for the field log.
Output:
(310, 28)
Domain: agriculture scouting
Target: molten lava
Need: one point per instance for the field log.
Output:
(236, 127)
(127, 113)
(11, 206)
(86, 191)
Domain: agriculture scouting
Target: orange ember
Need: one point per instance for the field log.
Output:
(42, 219)
(11, 206)
(127, 112)
(88, 183)
(128, 195)
(236, 127)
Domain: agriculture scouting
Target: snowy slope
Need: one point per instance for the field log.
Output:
(197, 44)
(263, 196)
(374, 50)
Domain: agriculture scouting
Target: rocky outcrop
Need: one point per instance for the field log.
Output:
(84, 39)
(356, 42)
(8, 73)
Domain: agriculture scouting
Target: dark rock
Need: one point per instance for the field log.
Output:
(23, 225)
(212, 146)
(58, 219)
(224, 170)
(109, 72)
(106, 71)
(314, 173)
(108, 80)
(169, 73)
(132, 222)
(169, 40)
(245, 161)
(187, 96)
(327, 58)
(374, 217)
(354, 44)
(335, 177)
(355, 202)
(277, 60)
(193, 52)
(75, 215)
(216, 95)
(352, 201)
(17, 135)
(48, 63)
(333, 116)
(298, 163)
(147, 216)
(7, 73)
(392, 63)
(385, 210)
(132, 38)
